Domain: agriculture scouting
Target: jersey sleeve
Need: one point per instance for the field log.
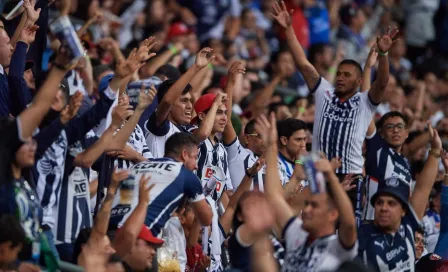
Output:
(374, 142)
(229, 184)
(321, 87)
(151, 125)
(233, 150)
(293, 234)
(367, 103)
(192, 186)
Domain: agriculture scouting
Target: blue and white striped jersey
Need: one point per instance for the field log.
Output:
(286, 168)
(389, 252)
(213, 161)
(340, 126)
(172, 182)
(382, 162)
(138, 143)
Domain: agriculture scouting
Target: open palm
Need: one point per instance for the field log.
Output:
(384, 43)
(31, 13)
(281, 15)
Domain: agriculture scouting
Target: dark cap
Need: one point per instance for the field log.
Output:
(394, 187)
(347, 12)
(431, 263)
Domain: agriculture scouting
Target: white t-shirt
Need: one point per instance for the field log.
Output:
(340, 127)
(324, 254)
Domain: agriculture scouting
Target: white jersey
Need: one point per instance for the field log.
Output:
(156, 136)
(324, 254)
(340, 127)
(213, 161)
(240, 159)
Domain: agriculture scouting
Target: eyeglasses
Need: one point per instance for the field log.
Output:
(400, 127)
(255, 135)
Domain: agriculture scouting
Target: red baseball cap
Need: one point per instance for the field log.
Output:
(146, 235)
(203, 104)
(178, 29)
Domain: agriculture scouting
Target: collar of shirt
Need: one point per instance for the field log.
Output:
(2, 71)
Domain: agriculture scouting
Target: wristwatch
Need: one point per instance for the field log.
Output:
(248, 174)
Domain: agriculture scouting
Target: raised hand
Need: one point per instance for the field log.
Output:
(252, 207)
(238, 67)
(146, 97)
(72, 108)
(32, 15)
(136, 59)
(127, 153)
(373, 56)
(436, 142)
(63, 60)
(144, 190)
(323, 165)
(117, 177)
(120, 114)
(384, 43)
(221, 98)
(348, 181)
(204, 57)
(281, 14)
(267, 129)
(28, 34)
(258, 165)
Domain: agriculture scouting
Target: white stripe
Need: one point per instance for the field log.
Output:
(164, 210)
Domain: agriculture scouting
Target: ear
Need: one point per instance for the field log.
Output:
(183, 155)
(334, 215)
(283, 140)
(360, 80)
(201, 116)
(239, 217)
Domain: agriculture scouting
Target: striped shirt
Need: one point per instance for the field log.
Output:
(213, 161)
(382, 162)
(340, 127)
(323, 254)
(138, 143)
(172, 182)
(156, 136)
(286, 168)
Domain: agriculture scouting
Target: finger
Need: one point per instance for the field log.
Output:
(351, 187)
(284, 6)
(389, 29)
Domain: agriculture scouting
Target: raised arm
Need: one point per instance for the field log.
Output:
(283, 18)
(101, 224)
(126, 236)
(272, 186)
(236, 71)
(227, 218)
(347, 222)
(31, 117)
(384, 43)
(203, 59)
(367, 73)
(205, 128)
(428, 176)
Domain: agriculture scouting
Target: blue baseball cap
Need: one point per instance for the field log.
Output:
(104, 83)
(394, 187)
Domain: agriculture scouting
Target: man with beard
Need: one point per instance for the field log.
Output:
(384, 159)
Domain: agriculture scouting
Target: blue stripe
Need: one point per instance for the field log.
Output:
(202, 159)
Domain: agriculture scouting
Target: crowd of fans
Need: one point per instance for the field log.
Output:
(230, 135)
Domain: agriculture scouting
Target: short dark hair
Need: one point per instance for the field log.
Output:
(250, 127)
(392, 114)
(12, 231)
(315, 50)
(179, 141)
(274, 106)
(289, 126)
(166, 85)
(421, 231)
(353, 63)
(168, 71)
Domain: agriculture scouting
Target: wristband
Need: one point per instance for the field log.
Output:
(332, 70)
(60, 67)
(210, 66)
(384, 54)
(249, 175)
(301, 109)
(173, 50)
(298, 162)
(434, 153)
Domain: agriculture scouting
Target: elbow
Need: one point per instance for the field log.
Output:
(206, 219)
